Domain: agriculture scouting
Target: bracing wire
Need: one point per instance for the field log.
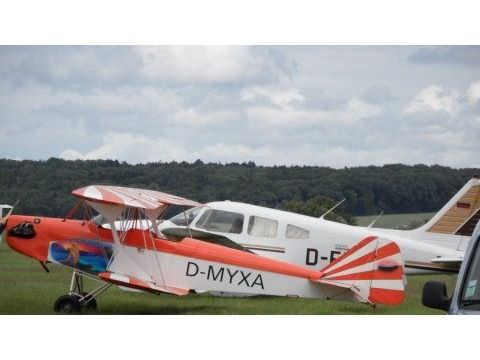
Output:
(186, 222)
(156, 257)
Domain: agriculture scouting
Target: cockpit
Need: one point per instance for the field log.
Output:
(185, 218)
(221, 221)
(211, 220)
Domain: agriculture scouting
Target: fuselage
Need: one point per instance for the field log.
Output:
(300, 239)
(181, 265)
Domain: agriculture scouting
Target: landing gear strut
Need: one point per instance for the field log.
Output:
(77, 298)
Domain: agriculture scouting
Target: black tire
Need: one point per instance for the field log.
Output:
(67, 304)
(91, 305)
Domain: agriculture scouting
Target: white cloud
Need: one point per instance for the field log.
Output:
(473, 93)
(272, 105)
(130, 147)
(281, 97)
(435, 98)
(358, 109)
(70, 154)
(349, 114)
(194, 117)
(34, 98)
(204, 64)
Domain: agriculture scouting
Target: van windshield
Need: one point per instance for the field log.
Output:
(471, 286)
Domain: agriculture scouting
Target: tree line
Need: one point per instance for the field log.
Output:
(43, 187)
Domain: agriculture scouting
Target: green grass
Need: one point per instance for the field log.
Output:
(26, 289)
(393, 220)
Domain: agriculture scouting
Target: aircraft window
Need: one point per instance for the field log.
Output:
(221, 221)
(295, 232)
(260, 226)
(186, 217)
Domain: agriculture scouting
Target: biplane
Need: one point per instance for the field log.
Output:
(123, 246)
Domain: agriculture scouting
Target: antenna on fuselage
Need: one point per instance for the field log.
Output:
(375, 220)
(332, 208)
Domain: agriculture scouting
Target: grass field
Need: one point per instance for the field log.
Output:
(27, 289)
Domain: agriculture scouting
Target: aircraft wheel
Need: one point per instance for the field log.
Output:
(91, 305)
(67, 304)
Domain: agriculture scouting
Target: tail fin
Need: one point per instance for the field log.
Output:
(457, 219)
(372, 269)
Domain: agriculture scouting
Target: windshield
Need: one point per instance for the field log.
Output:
(471, 285)
(221, 221)
(99, 220)
(185, 218)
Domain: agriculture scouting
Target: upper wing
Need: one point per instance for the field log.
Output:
(131, 197)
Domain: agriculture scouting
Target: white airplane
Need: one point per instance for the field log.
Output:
(437, 246)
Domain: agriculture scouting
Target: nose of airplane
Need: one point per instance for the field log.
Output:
(21, 234)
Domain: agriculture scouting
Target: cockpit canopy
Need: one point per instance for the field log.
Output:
(185, 218)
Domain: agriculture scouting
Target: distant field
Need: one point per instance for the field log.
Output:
(395, 220)
(26, 289)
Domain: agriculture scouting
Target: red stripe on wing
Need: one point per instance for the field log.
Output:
(371, 275)
(386, 296)
(353, 249)
(376, 254)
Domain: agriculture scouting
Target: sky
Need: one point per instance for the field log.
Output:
(331, 106)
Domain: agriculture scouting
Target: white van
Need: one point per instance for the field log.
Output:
(466, 297)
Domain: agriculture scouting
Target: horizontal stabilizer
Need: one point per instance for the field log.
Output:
(372, 269)
(454, 263)
(134, 283)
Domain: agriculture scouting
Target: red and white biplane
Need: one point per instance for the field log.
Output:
(123, 246)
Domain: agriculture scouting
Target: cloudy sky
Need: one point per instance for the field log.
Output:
(316, 105)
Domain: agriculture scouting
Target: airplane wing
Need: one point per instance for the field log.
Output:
(131, 197)
(179, 233)
(134, 283)
(114, 202)
(453, 263)
(372, 269)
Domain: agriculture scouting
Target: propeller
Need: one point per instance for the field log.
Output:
(4, 219)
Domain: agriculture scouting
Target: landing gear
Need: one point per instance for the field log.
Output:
(77, 299)
(89, 302)
(67, 304)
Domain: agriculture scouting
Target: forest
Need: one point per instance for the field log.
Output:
(43, 187)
